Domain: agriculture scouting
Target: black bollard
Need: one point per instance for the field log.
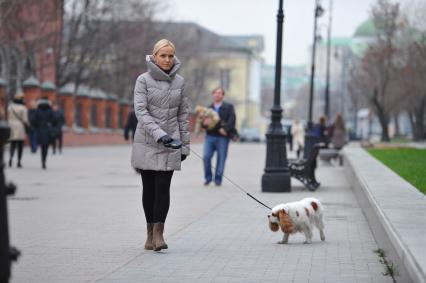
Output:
(7, 253)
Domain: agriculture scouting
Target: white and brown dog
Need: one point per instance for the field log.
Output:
(298, 216)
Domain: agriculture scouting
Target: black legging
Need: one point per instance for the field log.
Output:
(58, 140)
(19, 145)
(156, 194)
(44, 148)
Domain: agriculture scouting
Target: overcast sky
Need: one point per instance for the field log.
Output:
(246, 17)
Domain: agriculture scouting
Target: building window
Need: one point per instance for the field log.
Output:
(225, 78)
(108, 114)
(78, 112)
(94, 115)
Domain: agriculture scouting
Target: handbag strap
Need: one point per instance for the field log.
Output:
(17, 117)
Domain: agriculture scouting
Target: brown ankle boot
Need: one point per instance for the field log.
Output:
(158, 241)
(149, 231)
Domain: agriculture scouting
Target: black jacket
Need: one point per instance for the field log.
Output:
(59, 122)
(227, 120)
(44, 122)
(131, 124)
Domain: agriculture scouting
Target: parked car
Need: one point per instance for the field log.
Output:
(250, 135)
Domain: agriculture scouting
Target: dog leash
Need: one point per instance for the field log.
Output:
(232, 182)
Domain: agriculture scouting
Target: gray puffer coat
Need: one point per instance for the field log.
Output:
(162, 108)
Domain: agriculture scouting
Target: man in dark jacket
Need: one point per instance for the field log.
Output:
(58, 116)
(131, 124)
(217, 139)
(43, 124)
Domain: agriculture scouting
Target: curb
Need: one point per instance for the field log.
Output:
(390, 205)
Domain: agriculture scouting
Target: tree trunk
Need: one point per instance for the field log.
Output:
(383, 118)
(419, 125)
(384, 123)
(396, 122)
(412, 123)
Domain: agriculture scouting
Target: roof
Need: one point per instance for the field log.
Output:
(338, 41)
(253, 42)
(366, 29)
(31, 82)
(48, 85)
(187, 33)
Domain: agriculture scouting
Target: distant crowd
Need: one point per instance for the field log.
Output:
(333, 134)
(41, 123)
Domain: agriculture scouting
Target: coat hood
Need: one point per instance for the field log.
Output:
(43, 104)
(157, 73)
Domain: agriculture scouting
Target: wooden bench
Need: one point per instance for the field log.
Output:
(304, 169)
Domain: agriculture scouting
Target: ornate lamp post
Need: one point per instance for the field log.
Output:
(309, 137)
(277, 176)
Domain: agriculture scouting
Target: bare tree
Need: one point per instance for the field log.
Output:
(30, 35)
(103, 43)
(379, 63)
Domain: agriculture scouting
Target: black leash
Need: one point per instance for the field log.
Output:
(232, 182)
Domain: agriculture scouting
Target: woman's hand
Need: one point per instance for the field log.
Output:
(170, 142)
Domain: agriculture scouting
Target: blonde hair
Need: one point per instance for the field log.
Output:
(162, 43)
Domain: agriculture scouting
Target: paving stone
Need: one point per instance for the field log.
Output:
(85, 224)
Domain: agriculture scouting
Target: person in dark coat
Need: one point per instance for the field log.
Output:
(58, 116)
(43, 124)
(32, 134)
(217, 139)
(320, 130)
(131, 124)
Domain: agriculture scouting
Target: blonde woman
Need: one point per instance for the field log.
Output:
(161, 140)
(17, 114)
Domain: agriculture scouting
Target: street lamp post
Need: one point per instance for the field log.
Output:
(310, 138)
(277, 176)
(327, 76)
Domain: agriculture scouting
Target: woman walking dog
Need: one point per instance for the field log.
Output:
(162, 139)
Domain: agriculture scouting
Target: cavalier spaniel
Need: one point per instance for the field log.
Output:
(298, 216)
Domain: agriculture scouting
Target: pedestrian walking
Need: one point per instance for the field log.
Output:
(217, 139)
(19, 126)
(298, 133)
(338, 132)
(57, 135)
(32, 134)
(43, 124)
(161, 140)
(131, 125)
(320, 130)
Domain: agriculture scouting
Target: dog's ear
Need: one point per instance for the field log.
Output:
(314, 205)
(285, 222)
(274, 227)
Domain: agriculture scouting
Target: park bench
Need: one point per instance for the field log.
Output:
(304, 169)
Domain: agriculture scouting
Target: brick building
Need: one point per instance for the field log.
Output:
(30, 37)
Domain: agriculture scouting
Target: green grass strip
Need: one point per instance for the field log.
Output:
(409, 163)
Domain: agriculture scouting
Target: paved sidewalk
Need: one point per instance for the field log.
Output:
(81, 221)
